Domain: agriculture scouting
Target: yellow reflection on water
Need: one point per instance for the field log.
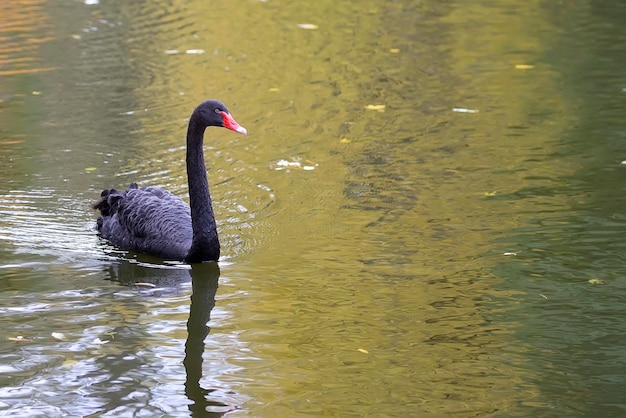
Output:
(18, 54)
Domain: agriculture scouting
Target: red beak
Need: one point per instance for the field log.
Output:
(232, 124)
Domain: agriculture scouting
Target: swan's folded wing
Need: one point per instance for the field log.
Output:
(154, 213)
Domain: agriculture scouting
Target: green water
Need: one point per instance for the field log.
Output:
(424, 220)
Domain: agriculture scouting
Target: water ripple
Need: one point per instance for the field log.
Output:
(44, 223)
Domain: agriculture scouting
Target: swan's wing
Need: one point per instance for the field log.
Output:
(153, 213)
(148, 220)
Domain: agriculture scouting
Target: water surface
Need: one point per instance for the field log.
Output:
(425, 219)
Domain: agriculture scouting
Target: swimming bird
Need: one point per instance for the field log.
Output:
(153, 221)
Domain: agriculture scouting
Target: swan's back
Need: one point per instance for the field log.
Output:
(149, 220)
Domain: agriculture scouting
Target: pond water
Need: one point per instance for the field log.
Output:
(426, 218)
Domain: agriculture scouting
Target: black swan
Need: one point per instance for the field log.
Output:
(153, 221)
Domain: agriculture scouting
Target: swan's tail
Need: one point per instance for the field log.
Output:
(109, 203)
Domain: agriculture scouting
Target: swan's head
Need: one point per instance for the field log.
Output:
(215, 113)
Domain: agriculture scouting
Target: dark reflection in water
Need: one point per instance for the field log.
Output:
(204, 279)
(145, 273)
(162, 279)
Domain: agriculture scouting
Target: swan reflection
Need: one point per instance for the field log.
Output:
(204, 279)
(163, 280)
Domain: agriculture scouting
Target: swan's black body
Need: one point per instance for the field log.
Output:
(152, 221)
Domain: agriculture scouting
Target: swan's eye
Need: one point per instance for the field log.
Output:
(218, 111)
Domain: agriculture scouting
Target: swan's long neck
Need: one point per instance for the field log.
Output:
(205, 245)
